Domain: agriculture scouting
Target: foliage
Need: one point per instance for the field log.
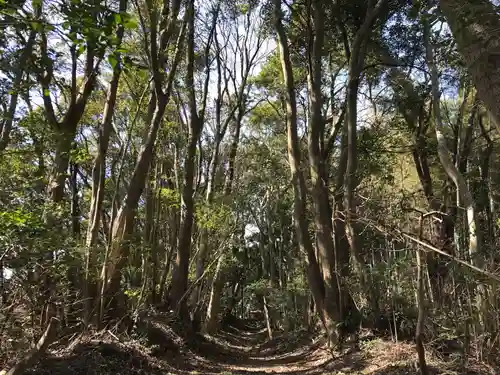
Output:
(197, 192)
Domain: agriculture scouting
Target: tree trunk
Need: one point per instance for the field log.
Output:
(204, 235)
(212, 320)
(413, 109)
(123, 223)
(6, 124)
(181, 265)
(445, 159)
(300, 214)
(342, 256)
(321, 203)
(419, 334)
(455, 175)
(98, 180)
(475, 25)
(356, 64)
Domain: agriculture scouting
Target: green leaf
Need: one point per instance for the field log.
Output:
(112, 60)
(9, 10)
(244, 8)
(118, 18)
(46, 92)
(130, 24)
(36, 26)
(81, 49)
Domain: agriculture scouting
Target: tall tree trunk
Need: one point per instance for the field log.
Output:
(445, 159)
(235, 115)
(213, 309)
(124, 221)
(321, 203)
(98, 180)
(181, 265)
(455, 175)
(299, 187)
(356, 64)
(342, 256)
(212, 167)
(475, 25)
(65, 131)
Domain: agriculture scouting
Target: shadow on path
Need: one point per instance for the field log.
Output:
(239, 349)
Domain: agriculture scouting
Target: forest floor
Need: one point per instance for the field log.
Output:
(243, 349)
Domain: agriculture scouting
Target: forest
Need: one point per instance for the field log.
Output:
(249, 187)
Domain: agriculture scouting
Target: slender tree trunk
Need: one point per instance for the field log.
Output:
(6, 124)
(342, 256)
(455, 175)
(356, 64)
(213, 309)
(300, 214)
(412, 107)
(212, 320)
(419, 335)
(98, 180)
(204, 235)
(181, 265)
(124, 221)
(447, 163)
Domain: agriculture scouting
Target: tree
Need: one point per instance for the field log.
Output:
(475, 26)
(315, 166)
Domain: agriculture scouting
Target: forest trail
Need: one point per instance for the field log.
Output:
(248, 350)
(240, 349)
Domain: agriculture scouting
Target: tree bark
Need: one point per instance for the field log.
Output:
(321, 203)
(356, 64)
(98, 180)
(300, 214)
(475, 25)
(212, 320)
(455, 175)
(419, 334)
(195, 124)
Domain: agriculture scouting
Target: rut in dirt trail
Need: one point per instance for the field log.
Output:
(247, 350)
(242, 348)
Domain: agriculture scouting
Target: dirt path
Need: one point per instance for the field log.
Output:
(251, 352)
(242, 350)
(245, 351)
